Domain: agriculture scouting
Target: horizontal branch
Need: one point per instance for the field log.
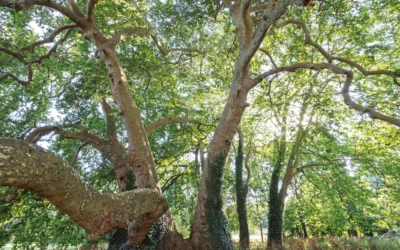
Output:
(24, 165)
(106, 147)
(169, 120)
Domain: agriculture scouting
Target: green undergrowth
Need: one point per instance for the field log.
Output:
(366, 243)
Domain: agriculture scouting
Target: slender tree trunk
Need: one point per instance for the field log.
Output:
(304, 228)
(241, 195)
(275, 218)
(262, 233)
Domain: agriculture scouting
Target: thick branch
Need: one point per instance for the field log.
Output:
(27, 166)
(110, 121)
(17, 55)
(259, 7)
(311, 165)
(269, 18)
(91, 4)
(169, 120)
(27, 4)
(75, 8)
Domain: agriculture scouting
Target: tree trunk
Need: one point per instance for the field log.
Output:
(304, 228)
(241, 195)
(275, 218)
(210, 228)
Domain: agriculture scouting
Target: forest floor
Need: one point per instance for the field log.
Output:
(334, 243)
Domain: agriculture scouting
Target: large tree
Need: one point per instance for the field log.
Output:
(105, 25)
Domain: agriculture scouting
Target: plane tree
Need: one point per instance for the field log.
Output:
(106, 27)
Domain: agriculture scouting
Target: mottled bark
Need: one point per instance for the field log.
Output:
(25, 165)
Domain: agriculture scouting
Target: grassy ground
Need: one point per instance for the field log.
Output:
(367, 243)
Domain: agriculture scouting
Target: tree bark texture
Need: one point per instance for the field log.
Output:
(275, 215)
(210, 228)
(241, 195)
(25, 165)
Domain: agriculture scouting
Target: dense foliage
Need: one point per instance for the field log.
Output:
(348, 174)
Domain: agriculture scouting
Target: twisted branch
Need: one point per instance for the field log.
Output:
(345, 90)
(308, 40)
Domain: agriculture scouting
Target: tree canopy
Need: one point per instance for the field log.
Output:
(128, 96)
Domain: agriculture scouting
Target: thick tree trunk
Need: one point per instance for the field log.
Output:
(139, 153)
(210, 228)
(25, 165)
(241, 195)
